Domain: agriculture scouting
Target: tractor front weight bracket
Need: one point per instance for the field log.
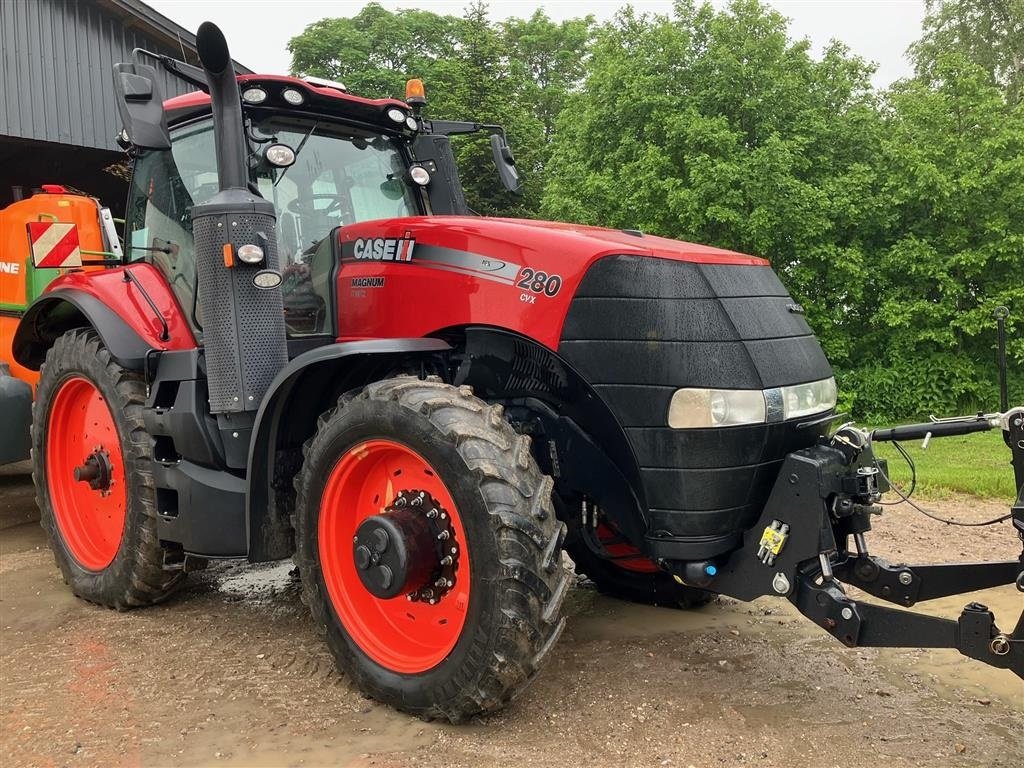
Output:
(800, 549)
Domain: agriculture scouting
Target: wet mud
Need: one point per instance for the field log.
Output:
(230, 672)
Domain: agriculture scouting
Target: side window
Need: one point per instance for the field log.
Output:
(165, 186)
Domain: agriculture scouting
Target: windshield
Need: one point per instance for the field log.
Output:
(340, 176)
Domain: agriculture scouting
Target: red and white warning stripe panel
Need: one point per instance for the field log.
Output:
(54, 244)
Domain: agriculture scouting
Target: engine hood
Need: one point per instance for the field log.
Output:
(530, 236)
(519, 274)
(628, 242)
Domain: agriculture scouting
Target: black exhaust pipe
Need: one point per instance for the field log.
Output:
(240, 298)
(228, 128)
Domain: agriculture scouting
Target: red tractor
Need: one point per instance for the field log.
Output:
(306, 347)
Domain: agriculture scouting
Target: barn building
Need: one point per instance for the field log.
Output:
(58, 116)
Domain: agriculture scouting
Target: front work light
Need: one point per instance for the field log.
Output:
(419, 175)
(250, 254)
(254, 95)
(293, 97)
(695, 408)
(396, 115)
(279, 155)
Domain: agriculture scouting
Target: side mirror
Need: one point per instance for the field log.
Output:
(141, 106)
(505, 162)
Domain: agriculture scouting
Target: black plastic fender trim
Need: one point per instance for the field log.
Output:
(33, 337)
(263, 544)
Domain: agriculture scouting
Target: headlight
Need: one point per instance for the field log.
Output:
(694, 408)
(807, 399)
(396, 114)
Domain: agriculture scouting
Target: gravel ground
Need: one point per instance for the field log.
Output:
(230, 673)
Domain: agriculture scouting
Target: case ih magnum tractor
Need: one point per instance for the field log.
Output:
(308, 348)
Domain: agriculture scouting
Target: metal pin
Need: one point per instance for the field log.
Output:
(826, 567)
(861, 544)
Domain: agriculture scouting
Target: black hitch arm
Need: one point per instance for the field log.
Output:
(909, 584)
(974, 634)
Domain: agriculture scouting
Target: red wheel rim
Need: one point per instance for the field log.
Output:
(402, 636)
(627, 557)
(91, 521)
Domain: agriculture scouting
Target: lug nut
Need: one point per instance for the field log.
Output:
(446, 560)
(362, 558)
(443, 536)
(432, 514)
(905, 578)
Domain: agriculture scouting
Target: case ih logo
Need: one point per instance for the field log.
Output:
(384, 248)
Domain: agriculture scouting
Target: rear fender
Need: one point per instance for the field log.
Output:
(309, 385)
(128, 313)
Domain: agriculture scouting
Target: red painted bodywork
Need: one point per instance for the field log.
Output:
(200, 98)
(418, 300)
(126, 300)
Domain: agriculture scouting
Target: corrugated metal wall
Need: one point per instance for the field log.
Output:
(55, 70)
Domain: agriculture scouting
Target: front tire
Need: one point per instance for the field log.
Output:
(474, 644)
(91, 465)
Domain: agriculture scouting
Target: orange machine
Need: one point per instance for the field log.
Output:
(21, 283)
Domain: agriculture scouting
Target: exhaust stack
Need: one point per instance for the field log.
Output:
(243, 324)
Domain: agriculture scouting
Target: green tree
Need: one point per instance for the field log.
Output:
(515, 74)
(990, 33)
(953, 170)
(715, 127)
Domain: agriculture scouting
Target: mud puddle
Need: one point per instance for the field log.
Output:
(231, 672)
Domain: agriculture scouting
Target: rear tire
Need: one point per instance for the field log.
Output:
(501, 617)
(104, 539)
(634, 578)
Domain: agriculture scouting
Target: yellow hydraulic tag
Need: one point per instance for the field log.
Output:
(772, 540)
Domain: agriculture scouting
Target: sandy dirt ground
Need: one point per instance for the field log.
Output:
(230, 673)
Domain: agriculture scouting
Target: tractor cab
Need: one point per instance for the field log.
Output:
(323, 157)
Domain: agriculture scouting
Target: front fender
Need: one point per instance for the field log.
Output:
(304, 389)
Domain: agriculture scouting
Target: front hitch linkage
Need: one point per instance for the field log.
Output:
(799, 549)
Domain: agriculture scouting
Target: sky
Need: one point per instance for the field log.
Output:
(258, 31)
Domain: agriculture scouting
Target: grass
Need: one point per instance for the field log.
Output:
(977, 464)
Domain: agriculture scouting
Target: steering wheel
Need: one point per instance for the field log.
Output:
(307, 205)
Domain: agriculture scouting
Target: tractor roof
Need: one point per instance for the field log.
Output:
(318, 98)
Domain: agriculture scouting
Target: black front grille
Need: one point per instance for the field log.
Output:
(640, 328)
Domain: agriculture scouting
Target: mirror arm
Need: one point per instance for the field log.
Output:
(180, 69)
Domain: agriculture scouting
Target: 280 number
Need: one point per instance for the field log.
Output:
(539, 282)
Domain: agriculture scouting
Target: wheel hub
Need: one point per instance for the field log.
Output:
(96, 470)
(410, 548)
